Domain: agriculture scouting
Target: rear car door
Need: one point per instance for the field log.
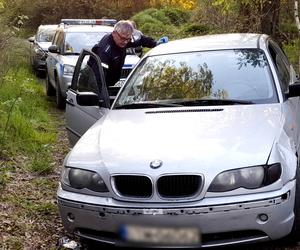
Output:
(87, 98)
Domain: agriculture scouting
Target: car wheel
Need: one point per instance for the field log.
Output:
(50, 90)
(60, 100)
(294, 235)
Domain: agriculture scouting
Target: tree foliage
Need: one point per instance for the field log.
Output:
(51, 11)
(183, 4)
(165, 80)
(256, 16)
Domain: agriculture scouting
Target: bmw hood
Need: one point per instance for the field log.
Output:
(186, 138)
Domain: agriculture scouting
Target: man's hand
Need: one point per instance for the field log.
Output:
(163, 39)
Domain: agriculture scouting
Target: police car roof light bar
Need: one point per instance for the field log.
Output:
(109, 22)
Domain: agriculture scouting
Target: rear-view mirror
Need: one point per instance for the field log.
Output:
(294, 89)
(53, 49)
(87, 99)
(31, 39)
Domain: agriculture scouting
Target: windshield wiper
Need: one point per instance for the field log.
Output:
(141, 105)
(72, 53)
(209, 102)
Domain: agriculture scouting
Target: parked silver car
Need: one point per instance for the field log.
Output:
(39, 45)
(200, 147)
(70, 38)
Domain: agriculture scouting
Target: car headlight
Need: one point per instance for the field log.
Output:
(79, 179)
(68, 69)
(249, 178)
(39, 52)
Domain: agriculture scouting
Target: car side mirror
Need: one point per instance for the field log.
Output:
(31, 39)
(139, 51)
(53, 49)
(87, 99)
(294, 89)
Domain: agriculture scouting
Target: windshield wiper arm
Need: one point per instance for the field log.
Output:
(141, 105)
(207, 102)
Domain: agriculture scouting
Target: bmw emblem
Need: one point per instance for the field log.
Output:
(156, 164)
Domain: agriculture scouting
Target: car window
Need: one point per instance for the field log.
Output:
(45, 35)
(87, 81)
(225, 74)
(281, 64)
(76, 41)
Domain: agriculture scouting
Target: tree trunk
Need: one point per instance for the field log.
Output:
(296, 15)
(270, 18)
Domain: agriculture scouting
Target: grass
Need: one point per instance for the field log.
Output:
(32, 146)
(292, 51)
(25, 124)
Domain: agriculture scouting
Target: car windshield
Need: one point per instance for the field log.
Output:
(45, 35)
(223, 77)
(76, 41)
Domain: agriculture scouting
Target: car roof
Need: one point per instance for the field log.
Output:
(210, 42)
(86, 28)
(47, 26)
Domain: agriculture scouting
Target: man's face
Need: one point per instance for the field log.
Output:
(121, 39)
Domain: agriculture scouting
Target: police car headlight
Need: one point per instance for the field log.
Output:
(80, 179)
(68, 69)
(249, 178)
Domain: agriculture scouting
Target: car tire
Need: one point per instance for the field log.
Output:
(294, 235)
(60, 100)
(50, 90)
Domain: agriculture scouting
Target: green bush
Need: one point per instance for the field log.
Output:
(194, 29)
(292, 51)
(161, 22)
(176, 16)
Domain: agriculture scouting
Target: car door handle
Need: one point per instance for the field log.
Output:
(70, 101)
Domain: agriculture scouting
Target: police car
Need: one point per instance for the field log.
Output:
(70, 38)
(39, 45)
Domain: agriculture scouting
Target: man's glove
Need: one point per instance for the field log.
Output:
(163, 39)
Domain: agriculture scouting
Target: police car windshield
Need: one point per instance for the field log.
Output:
(76, 41)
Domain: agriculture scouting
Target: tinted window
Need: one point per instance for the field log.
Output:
(228, 74)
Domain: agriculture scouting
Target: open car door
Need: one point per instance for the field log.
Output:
(87, 98)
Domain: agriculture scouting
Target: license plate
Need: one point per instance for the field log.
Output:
(161, 236)
(120, 83)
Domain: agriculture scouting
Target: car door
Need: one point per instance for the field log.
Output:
(291, 106)
(87, 98)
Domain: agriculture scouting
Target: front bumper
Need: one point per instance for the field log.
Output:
(225, 221)
(39, 64)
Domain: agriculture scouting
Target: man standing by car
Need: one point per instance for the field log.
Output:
(112, 49)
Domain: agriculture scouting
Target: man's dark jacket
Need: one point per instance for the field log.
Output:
(114, 56)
